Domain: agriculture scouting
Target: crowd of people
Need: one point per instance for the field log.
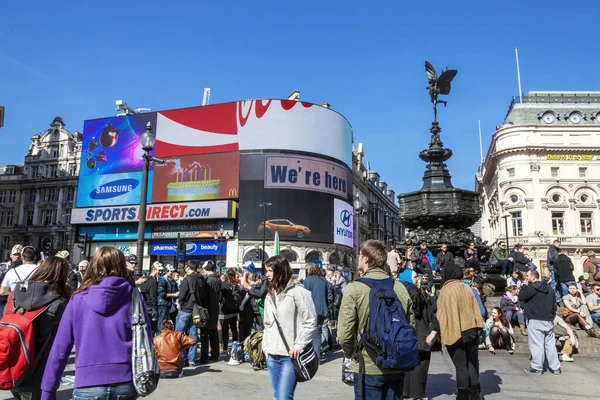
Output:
(89, 307)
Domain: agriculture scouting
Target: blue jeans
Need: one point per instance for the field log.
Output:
(596, 317)
(282, 377)
(515, 315)
(185, 324)
(121, 391)
(380, 387)
(163, 315)
(506, 267)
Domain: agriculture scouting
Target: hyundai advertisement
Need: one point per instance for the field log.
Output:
(309, 199)
(112, 162)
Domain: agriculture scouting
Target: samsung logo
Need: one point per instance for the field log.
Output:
(114, 189)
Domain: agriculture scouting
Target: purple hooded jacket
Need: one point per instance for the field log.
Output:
(98, 322)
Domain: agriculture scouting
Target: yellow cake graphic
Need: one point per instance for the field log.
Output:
(194, 183)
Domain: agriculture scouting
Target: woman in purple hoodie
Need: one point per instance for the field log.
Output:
(98, 321)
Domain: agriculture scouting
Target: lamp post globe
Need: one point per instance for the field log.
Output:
(148, 138)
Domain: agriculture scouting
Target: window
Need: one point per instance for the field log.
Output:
(255, 256)
(72, 169)
(51, 195)
(585, 220)
(68, 193)
(48, 217)
(517, 223)
(558, 225)
(584, 198)
(52, 170)
(9, 170)
(32, 197)
(554, 172)
(2, 196)
(29, 218)
(514, 198)
(54, 152)
(11, 196)
(35, 171)
(289, 255)
(1, 218)
(511, 172)
(314, 256)
(334, 259)
(9, 218)
(556, 198)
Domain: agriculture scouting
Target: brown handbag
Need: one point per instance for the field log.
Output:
(565, 312)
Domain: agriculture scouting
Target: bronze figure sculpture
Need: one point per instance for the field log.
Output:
(438, 85)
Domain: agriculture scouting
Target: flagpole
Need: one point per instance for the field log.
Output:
(519, 76)
(480, 143)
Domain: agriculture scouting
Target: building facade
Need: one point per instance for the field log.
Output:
(36, 197)
(540, 179)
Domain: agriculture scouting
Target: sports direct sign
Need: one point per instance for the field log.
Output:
(155, 212)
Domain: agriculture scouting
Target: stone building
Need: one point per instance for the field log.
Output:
(36, 197)
(540, 178)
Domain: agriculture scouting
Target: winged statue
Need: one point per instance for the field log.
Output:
(438, 85)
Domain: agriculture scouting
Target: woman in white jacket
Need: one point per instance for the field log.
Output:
(293, 307)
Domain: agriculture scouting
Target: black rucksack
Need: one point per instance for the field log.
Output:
(233, 298)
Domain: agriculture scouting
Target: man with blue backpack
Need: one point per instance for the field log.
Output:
(374, 328)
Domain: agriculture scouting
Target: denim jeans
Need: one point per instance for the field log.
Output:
(121, 391)
(515, 315)
(506, 267)
(596, 317)
(185, 324)
(163, 315)
(320, 335)
(379, 387)
(282, 377)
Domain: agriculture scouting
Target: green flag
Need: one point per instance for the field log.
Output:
(276, 239)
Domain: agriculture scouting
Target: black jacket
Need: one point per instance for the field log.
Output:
(539, 300)
(149, 290)
(192, 292)
(552, 255)
(563, 269)
(441, 259)
(520, 262)
(73, 280)
(212, 300)
(40, 294)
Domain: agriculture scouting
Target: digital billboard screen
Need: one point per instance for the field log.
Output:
(304, 195)
(197, 177)
(111, 161)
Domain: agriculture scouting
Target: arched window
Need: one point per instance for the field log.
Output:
(314, 256)
(289, 255)
(345, 261)
(334, 259)
(255, 255)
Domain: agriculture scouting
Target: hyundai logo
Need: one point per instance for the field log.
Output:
(346, 218)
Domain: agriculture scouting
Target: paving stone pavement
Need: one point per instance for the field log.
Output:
(502, 378)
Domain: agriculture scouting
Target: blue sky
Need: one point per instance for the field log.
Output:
(364, 58)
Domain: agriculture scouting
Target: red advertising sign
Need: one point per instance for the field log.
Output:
(200, 177)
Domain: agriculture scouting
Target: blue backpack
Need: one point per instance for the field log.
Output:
(389, 339)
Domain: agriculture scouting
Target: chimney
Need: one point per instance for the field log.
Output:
(391, 195)
(374, 177)
(383, 186)
(295, 95)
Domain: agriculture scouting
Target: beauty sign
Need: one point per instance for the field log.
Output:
(307, 173)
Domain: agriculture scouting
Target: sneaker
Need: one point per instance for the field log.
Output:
(532, 371)
(510, 351)
(557, 372)
(565, 358)
(191, 364)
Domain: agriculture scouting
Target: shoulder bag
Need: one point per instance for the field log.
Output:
(145, 368)
(199, 313)
(307, 364)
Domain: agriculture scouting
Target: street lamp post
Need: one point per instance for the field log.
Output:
(148, 141)
(221, 239)
(264, 206)
(358, 211)
(64, 244)
(506, 228)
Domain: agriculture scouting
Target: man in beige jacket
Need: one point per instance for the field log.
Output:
(352, 320)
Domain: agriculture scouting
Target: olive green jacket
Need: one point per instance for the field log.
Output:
(353, 316)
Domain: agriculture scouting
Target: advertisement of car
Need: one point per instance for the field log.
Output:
(254, 125)
(343, 227)
(111, 161)
(197, 177)
(293, 214)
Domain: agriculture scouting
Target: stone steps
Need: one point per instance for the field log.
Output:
(588, 347)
